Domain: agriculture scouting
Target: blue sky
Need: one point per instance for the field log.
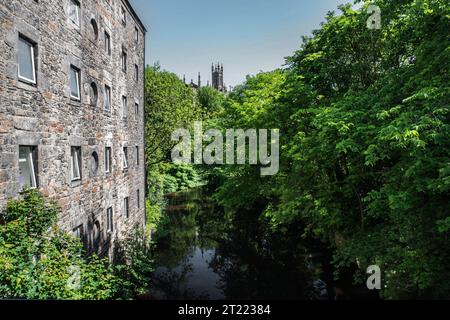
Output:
(247, 36)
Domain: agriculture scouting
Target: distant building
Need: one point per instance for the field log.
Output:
(71, 112)
(217, 79)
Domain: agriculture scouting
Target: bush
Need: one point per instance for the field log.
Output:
(38, 261)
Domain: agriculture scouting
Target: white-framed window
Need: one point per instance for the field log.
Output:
(123, 14)
(137, 156)
(124, 107)
(136, 72)
(28, 166)
(138, 198)
(75, 163)
(75, 83)
(107, 43)
(26, 57)
(136, 111)
(109, 220)
(124, 59)
(126, 207)
(108, 159)
(125, 158)
(74, 12)
(107, 98)
(78, 232)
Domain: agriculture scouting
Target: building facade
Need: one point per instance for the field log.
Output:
(71, 112)
(217, 78)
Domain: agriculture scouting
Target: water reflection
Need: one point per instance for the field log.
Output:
(203, 253)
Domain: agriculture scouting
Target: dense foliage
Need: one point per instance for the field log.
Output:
(365, 151)
(170, 105)
(39, 261)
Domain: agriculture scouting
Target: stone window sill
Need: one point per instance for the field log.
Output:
(75, 183)
(25, 85)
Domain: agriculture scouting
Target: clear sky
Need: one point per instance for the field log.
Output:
(247, 36)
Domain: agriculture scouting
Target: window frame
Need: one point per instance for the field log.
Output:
(136, 72)
(108, 160)
(32, 163)
(136, 111)
(123, 107)
(137, 156)
(125, 158)
(75, 151)
(107, 43)
(77, 4)
(126, 207)
(123, 16)
(124, 59)
(31, 46)
(78, 232)
(110, 220)
(78, 79)
(108, 98)
(138, 198)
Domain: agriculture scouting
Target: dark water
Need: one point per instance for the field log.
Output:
(203, 253)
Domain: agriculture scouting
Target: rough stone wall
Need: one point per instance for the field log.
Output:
(45, 116)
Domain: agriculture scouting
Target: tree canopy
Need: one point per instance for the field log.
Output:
(365, 151)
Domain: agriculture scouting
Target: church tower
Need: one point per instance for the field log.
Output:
(217, 77)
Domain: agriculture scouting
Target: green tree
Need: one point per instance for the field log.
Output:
(365, 155)
(169, 105)
(38, 261)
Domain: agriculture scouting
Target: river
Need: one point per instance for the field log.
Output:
(203, 253)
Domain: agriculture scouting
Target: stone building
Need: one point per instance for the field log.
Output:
(71, 112)
(217, 78)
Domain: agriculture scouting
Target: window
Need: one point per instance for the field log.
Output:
(136, 72)
(125, 158)
(28, 166)
(94, 163)
(107, 98)
(124, 59)
(74, 12)
(107, 43)
(108, 159)
(93, 94)
(78, 232)
(124, 16)
(26, 66)
(138, 198)
(137, 155)
(136, 34)
(75, 161)
(75, 83)
(94, 30)
(109, 219)
(124, 107)
(136, 111)
(126, 211)
(96, 234)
